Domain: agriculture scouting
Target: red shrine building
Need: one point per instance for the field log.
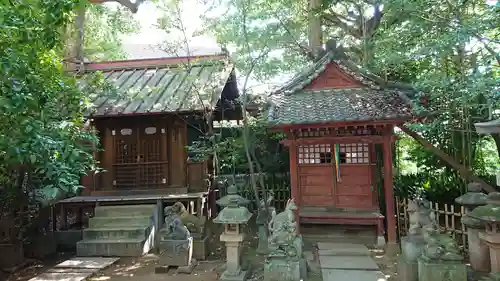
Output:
(339, 123)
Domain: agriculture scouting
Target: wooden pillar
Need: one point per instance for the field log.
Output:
(389, 192)
(294, 173)
(294, 184)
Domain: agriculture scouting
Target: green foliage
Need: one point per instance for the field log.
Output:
(228, 145)
(104, 27)
(42, 141)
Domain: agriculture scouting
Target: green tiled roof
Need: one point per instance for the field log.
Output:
(339, 105)
(163, 88)
(291, 104)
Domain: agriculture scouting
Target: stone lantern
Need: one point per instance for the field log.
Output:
(478, 250)
(489, 128)
(490, 215)
(233, 216)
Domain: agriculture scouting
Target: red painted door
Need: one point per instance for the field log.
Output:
(354, 186)
(316, 175)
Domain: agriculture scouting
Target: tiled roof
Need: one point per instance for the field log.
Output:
(292, 104)
(159, 85)
(339, 105)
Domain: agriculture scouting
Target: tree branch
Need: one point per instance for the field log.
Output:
(132, 6)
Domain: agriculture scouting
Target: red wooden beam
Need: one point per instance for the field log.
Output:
(346, 139)
(338, 124)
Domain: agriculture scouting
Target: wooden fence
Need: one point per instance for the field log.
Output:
(278, 183)
(448, 218)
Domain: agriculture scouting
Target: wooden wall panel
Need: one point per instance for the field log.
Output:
(197, 176)
(316, 185)
(355, 187)
(177, 140)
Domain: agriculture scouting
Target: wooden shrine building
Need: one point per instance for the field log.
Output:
(339, 125)
(158, 107)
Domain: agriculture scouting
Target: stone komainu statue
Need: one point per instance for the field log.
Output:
(283, 240)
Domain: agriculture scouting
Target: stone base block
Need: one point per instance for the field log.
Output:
(407, 270)
(242, 276)
(66, 239)
(285, 270)
(441, 271)
(200, 248)
(380, 242)
(176, 253)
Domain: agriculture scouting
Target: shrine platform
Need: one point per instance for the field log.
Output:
(338, 225)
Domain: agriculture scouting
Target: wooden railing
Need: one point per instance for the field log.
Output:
(448, 217)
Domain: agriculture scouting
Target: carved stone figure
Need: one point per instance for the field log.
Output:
(194, 224)
(283, 233)
(440, 246)
(287, 216)
(285, 259)
(174, 229)
(420, 215)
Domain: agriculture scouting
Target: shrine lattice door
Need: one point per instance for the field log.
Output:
(140, 157)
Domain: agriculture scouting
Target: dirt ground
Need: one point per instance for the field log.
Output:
(142, 268)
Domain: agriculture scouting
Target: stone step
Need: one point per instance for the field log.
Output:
(125, 221)
(124, 211)
(112, 248)
(116, 233)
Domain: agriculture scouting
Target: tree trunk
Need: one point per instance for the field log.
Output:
(315, 32)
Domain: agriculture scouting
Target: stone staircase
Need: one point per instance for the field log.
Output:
(118, 231)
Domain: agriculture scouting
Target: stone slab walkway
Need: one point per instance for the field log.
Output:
(75, 269)
(343, 261)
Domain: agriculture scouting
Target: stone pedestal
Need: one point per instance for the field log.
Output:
(286, 265)
(175, 253)
(407, 270)
(479, 252)
(233, 270)
(492, 240)
(285, 270)
(200, 247)
(411, 249)
(438, 270)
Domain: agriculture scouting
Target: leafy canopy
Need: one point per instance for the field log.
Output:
(42, 144)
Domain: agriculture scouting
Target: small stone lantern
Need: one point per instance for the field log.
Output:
(233, 216)
(479, 252)
(490, 215)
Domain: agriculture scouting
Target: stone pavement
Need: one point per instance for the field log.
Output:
(75, 269)
(344, 261)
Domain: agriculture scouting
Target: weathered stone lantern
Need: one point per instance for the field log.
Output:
(233, 216)
(489, 128)
(490, 215)
(479, 252)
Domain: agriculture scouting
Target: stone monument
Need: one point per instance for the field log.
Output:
(175, 247)
(490, 215)
(479, 253)
(285, 260)
(263, 218)
(441, 259)
(196, 227)
(233, 216)
(420, 216)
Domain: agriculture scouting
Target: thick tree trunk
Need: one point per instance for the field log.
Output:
(315, 32)
(73, 53)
